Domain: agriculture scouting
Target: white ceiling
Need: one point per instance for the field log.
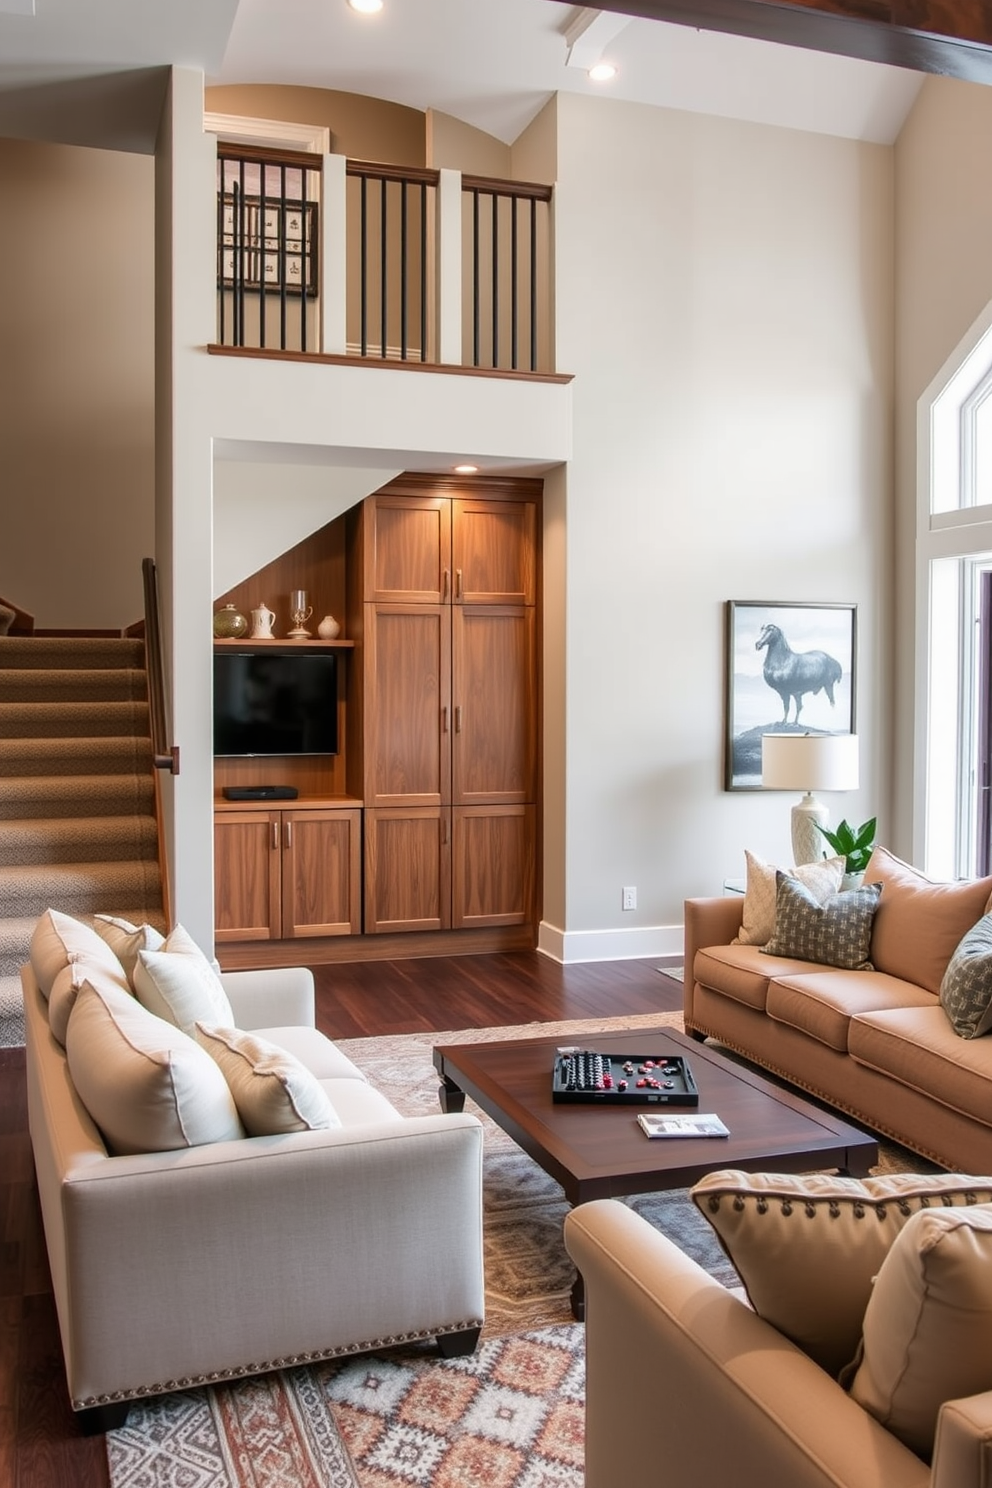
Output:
(492, 63)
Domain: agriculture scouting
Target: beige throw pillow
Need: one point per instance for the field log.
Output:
(126, 940)
(273, 1091)
(179, 984)
(758, 924)
(928, 1325)
(67, 984)
(148, 1087)
(56, 939)
(808, 1248)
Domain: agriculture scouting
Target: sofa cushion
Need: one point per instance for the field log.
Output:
(321, 1057)
(179, 984)
(273, 1091)
(834, 933)
(146, 1084)
(808, 1248)
(928, 1323)
(758, 922)
(742, 972)
(918, 1048)
(822, 1003)
(126, 940)
(56, 938)
(966, 990)
(920, 923)
(67, 984)
(359, 1104)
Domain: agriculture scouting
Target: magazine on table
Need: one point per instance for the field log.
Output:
(699, 1124)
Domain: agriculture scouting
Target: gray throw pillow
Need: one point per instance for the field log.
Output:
(834, 933)
(966, 990)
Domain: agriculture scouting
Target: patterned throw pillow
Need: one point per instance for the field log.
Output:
(835, 933)
(966, 991)
(758, 921)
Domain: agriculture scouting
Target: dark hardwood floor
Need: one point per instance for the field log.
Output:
(40, 1446)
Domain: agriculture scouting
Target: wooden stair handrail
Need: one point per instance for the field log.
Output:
(165, 756)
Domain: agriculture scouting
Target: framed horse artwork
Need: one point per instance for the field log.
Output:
(791, 668)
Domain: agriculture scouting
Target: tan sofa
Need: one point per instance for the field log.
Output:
(875, 1044)
(686, 1382)
(174, 1268)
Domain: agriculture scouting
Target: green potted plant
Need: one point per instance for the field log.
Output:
(854, 845)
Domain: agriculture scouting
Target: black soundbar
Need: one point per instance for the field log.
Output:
(260, 792)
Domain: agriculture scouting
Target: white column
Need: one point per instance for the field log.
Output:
(449, 267)
(333, 270)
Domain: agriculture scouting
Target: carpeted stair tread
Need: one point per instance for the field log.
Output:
(75, 795)
(11, 1011)
(101, 756)
(61, 720)
(80, 888)
(79, 684)
(39, 840)
(71, 651)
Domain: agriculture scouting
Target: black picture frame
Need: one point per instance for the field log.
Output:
(757, 704)
(260, 250)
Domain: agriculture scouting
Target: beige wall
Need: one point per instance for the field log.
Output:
(362, 128)
(943, 272)
(452, 145)
(76, 381)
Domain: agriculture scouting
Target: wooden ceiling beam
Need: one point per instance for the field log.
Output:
(951, 37)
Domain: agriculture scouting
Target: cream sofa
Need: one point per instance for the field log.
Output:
(876, 1044)
(685, 1382)
(174, 1268)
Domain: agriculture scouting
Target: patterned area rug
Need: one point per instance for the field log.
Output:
(508, 1417)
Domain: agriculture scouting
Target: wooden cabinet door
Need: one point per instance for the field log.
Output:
(408, 549)
(408, 715)
(493, 552)
(407, 869)
(321, 873)
(493, 865)
(246, 875)
(493, 705)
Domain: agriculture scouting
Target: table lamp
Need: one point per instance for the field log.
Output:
(809, 763)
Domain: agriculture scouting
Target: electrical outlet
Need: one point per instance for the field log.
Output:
(630, 898)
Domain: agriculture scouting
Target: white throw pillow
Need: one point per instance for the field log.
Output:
(66, 986)
(126, 940)
(273, 1091)
(148, 1086)
(928, 1324)
(179, 984)
(758, 924)
(57, 937)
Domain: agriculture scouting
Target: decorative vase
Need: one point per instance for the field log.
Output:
(230, 624)
(328, 629)
(851, 881)
(262, 621)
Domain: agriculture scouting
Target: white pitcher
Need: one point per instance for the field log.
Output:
(262, 621)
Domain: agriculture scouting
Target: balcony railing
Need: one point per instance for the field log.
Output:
(385, 263)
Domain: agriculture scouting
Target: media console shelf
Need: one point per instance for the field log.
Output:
(284, 643)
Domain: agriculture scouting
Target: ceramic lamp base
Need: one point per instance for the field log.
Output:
(807, 844)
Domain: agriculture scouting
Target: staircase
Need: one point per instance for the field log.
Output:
(77, 809)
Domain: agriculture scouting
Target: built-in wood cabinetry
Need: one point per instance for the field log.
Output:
(280, 875)
(427, 819)
(444, 602)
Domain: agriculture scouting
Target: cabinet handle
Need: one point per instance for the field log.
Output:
(458, 719)
(275, 835)
(289, 833)
(444, 719)
(444, 831)
(445, 585)
(458, 583)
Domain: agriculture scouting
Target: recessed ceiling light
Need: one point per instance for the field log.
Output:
(466, 469)
(603, 72)
(366, 7)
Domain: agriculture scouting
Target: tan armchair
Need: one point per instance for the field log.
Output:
(686, 1384)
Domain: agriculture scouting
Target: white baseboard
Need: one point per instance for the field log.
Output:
(568, 946)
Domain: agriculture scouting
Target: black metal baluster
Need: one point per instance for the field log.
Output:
(221, 293)
(423, 271)
(403, 271)
(475, 278)
(495, 200)
(240, 255)
(365, 251)
(533, 285)
(383, 260)
(513, 282)
(281, 256)
(303, 259)
(262, 301)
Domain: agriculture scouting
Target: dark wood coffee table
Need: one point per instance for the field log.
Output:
(596, 1152)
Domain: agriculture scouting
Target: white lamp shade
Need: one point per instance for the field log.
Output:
(809, 762)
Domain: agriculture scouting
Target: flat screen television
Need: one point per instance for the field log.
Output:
(275, 703)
